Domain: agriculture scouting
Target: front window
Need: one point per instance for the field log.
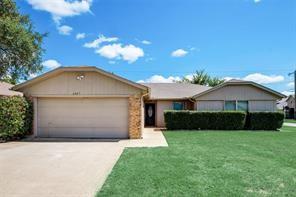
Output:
(242, 105)
(178, 105)
(230, 105)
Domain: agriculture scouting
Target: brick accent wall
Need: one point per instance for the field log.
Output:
(135, 130)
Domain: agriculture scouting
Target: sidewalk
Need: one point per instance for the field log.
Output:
(290, 124)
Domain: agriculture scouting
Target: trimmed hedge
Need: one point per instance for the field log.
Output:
(16, 117)
(193, 120)
(265, 120)
(226, 120)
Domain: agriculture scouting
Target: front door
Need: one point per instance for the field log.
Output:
(150, 114)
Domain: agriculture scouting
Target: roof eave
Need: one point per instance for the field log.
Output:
(280, 95)
(81, 69)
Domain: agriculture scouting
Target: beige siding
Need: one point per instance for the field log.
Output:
(83, 117)
(291, 102)
(210, 105)
(238, 92)
(161, 106)
(262, 106)
(92, 84)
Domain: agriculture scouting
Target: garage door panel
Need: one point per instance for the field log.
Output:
(91, 117)
(60, 121)
(83, 132)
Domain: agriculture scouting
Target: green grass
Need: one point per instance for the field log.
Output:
(209, 163)
(290, 121)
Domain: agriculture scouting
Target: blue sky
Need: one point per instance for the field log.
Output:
(159, 41)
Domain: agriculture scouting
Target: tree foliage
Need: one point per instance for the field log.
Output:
(202, 78)
(20, 44)
(16, 116)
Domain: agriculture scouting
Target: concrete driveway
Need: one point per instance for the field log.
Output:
(63, 169)
(55, 168)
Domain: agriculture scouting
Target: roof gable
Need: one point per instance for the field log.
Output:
(76, 69)
(240, 82)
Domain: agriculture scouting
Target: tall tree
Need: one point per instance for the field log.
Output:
(20, 44)
(202, 78)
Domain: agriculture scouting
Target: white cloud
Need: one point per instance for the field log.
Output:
(65, 30)
(80, 36)
(229, 78)
(287, 93)
(62, 8)
(290, 85)
(160, 79)
(51, 64)
(260, 78)
(264, 79)
(96, 43)
(257, 1)
(179, 53)
(32, 75)
(128, 53)
(112, 62)
(149, 59)
(146, 42)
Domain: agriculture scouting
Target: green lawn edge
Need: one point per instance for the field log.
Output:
(231, 163)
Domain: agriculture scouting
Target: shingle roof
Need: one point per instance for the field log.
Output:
(174, 90)
(5, 90)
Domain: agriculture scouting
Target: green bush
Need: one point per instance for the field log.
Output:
(265, 120)
(226, 120)
(16, 116)
(192, 120)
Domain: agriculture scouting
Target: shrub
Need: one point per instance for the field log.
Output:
(16, 116)
(192, 120)
(265, 120)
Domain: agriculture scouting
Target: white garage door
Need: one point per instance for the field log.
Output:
(82, 117)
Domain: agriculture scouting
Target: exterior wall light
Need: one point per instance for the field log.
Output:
(80, 77)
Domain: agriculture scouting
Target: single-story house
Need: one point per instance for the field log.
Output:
(288, 106)
(88, 102)
(5, 90)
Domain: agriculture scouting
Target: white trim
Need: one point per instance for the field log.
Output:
(35, 116)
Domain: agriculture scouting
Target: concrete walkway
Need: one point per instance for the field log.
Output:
(62, 168)
(290, 124)
(152, 137)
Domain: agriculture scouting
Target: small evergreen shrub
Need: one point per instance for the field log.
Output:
(265, 120)
(16, 117)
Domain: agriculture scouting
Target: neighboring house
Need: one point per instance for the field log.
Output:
(5, 90)
(288, 105)
(87, 102)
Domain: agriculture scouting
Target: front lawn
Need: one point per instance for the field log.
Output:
(290, 121)
(209, 163)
